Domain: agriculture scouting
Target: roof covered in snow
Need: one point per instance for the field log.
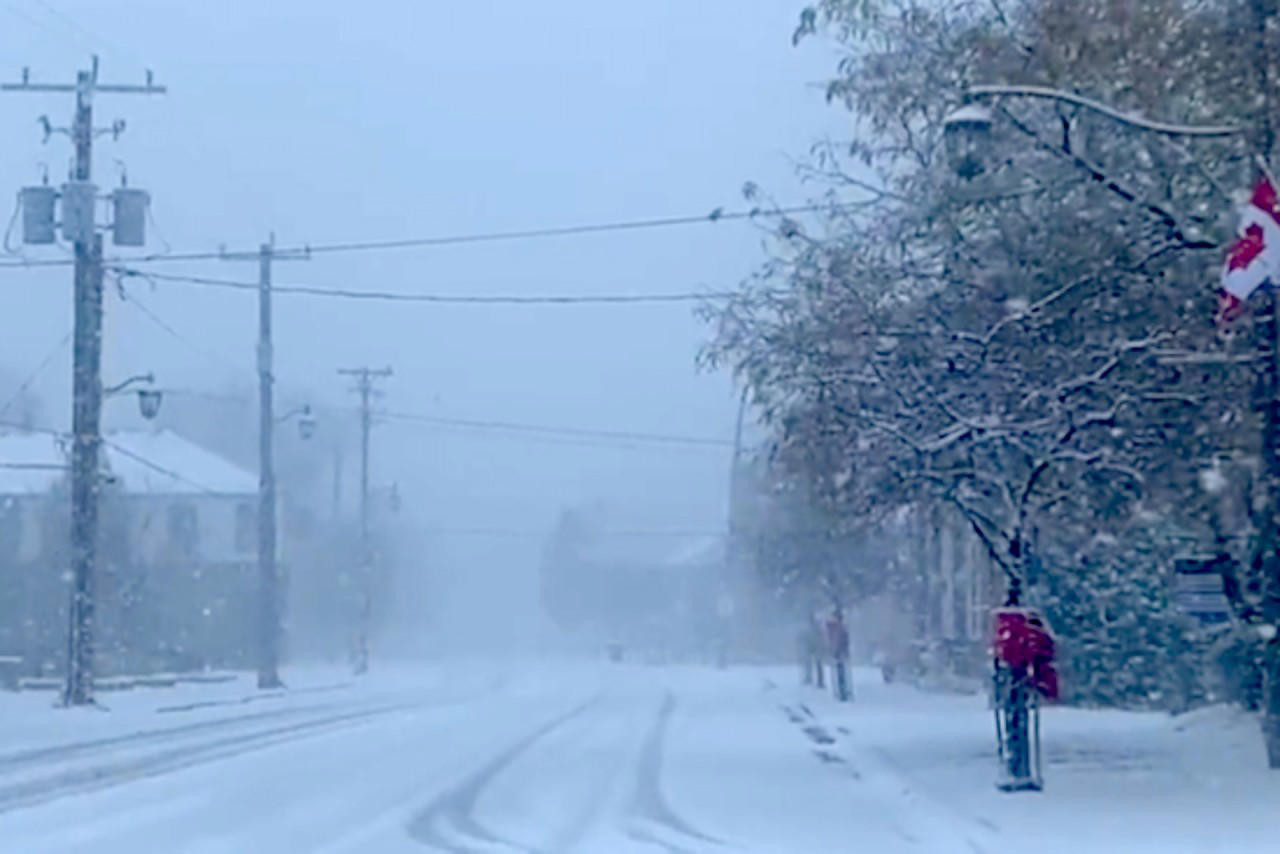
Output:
(140, 462)
(30, 463)
(676, 553)
(698, 552)
(163, 463)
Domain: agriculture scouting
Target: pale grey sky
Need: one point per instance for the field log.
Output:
(327, 121)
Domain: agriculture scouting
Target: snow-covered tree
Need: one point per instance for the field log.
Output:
(1031, 344)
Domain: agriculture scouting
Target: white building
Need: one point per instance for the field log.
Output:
(177, 548)
(31, 467)
(186, 501)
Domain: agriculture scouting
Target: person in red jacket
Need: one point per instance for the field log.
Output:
(1023, 642)
(1040, 652)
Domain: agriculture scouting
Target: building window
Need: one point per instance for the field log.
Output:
(10, 529)
(246, 527)
(184, 528)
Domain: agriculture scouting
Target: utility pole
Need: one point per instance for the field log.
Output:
(733, 580)
(365, 378)
(79, 200)
(268, 573)
(268, 577)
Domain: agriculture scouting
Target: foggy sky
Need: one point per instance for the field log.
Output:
(327, 121)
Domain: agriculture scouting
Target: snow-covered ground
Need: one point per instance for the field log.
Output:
(490, 757)
(1114, 781)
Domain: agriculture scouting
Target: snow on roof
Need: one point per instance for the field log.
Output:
(655, 553)
(141, 462)
(30, 463)
(163, 463)
(702, 551)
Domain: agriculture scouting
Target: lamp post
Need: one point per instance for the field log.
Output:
(306, 421)
(967, 128)
(967, 131)
(149, 399)
(975, 94)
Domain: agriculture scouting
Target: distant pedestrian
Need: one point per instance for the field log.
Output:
(838, 648)
(811, 645)
(803, 655)
(817, 651)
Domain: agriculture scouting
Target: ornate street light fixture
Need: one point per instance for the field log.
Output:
(306, 421)
(149, 399)
(967, 133)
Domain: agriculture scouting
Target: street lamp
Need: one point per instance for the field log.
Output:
(307, 424)
(967, 128)
(306, 421)
(149, 402)
(967, 131)
(1023, 644)
(974, 93)
(149, 399)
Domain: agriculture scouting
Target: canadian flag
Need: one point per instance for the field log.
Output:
(1254, 257)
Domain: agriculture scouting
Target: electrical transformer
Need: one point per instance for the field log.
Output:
(38, 223)
(129, 216)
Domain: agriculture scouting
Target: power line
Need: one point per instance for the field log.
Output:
(19, 13)
(800, 536)
(542, 429)
(26, 384)
(469, 433)
(23, 428)
(160, 322)
(246, 399)
(156, 467)
(87, 35)
(409, 296)
(516, 532)
(717, 215)
(71, 29)
(484, 425)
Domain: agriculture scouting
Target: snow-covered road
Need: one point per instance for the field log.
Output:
(544, 758)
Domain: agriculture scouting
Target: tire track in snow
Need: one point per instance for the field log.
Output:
(95, 765)
(18, 760)
(452, 815)
(94, 776)
(650, 812)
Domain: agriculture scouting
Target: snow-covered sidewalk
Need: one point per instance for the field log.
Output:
(1114, 781)
(32, 720)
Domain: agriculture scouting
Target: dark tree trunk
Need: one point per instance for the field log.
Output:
(1271, 701)
(1018, 721)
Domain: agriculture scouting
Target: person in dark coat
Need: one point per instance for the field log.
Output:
(838, 648)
